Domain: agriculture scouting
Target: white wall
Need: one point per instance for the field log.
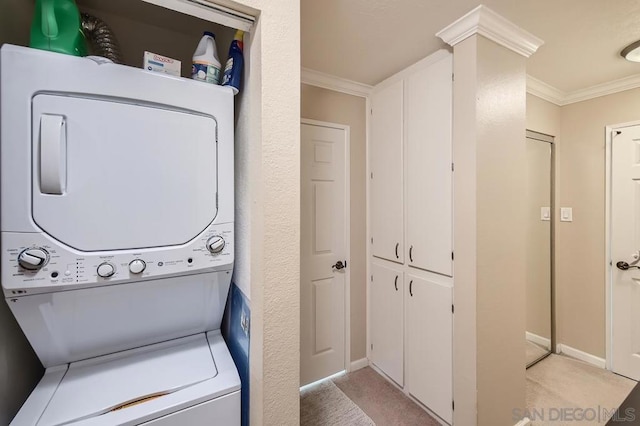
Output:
(268, 193)
(488, 151)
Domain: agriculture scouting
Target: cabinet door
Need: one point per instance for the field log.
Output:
(429, 344)
(387, 209)
(428, 115)
(386, 320)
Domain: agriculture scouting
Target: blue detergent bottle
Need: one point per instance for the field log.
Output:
(233, 68)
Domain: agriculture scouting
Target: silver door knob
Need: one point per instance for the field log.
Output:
(339, 265)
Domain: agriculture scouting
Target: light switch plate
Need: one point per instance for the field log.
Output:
(545, 213)
(566, 214)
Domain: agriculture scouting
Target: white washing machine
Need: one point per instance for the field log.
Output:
(116, 213)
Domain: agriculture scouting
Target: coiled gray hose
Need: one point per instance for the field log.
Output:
(103, 41)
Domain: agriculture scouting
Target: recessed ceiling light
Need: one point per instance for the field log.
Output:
(632, 52)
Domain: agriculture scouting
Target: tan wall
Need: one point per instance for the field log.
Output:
(333, 107)
(489, 153)
(543, 117)
(581, 185)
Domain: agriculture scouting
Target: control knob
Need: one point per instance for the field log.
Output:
(106, 270)
(215, 244)
(33, 258)
(136, 266)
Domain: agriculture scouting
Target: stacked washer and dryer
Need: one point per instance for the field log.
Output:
(117, 245)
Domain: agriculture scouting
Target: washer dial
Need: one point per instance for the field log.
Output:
(215, 244)
(136, 266)
(33, 258)
(106, 270)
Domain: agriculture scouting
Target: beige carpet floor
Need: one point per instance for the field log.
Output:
(558, 385)
(326, 405)
(383, 403)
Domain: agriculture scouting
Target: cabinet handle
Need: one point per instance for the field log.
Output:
(396, 283)
(411, 254)
(397, 246)
(411, 288)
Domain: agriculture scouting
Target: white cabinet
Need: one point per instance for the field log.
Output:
(411, 170)
(428, 167)
(429, 322)
(410, 207)
(386, 302)
(387, 207)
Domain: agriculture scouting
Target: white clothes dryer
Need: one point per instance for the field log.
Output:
(117, 239)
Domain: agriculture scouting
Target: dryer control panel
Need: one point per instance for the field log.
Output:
(35, 263)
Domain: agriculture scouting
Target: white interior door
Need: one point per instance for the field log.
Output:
(323, 243)
(625, 246)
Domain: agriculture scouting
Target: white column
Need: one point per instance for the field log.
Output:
(489, 122)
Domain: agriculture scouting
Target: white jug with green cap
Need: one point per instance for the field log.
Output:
(206, 65)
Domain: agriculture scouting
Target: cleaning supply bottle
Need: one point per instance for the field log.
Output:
(206, 65)
(56, 26)
(233, 69)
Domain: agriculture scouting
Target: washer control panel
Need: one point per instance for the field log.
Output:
(35, 263)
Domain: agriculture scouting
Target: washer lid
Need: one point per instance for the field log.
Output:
(97, 386)
(108, 174)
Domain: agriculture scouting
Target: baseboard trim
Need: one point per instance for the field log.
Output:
(538, 340)
(523, 422)
(359, 364)
(582, 356)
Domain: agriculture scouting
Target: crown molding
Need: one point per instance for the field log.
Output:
(558, 97)
(337, 84)
(604, 89)
(545, 91)
(489, 24)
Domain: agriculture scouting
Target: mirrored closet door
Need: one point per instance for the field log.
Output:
(539, 228)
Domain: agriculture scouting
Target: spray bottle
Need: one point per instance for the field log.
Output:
(233, 69)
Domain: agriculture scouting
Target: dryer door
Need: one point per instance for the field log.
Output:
(112, 175)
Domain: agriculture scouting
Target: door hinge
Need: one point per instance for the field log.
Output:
(453, 309)
(453, 405)
(371, 278)
(371, 111)
(617, 132)
(453, 77)
(371, 240)
(372, 346)
(452, 167)
(371, 175)
(452, 256)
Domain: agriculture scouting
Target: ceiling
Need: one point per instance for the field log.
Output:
(369, 40)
